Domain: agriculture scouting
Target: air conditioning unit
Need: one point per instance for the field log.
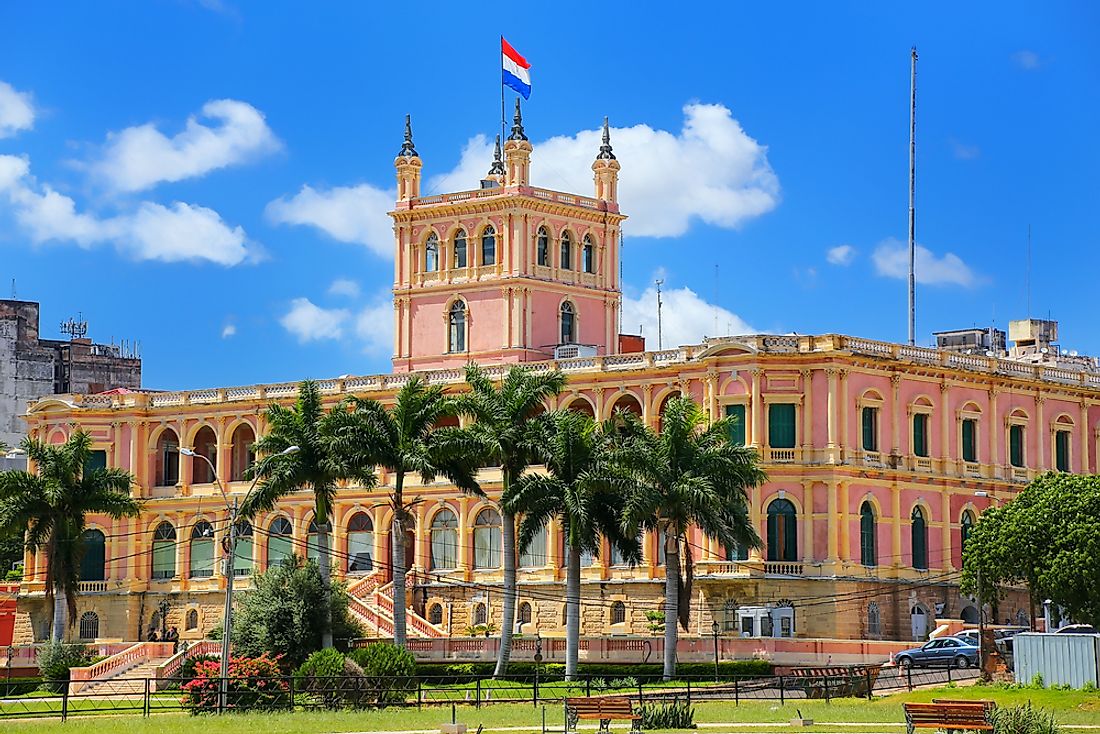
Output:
(569, 351)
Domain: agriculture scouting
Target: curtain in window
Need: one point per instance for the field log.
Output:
(534, 555)
(202, 550)
(164, 551)
(361, 544)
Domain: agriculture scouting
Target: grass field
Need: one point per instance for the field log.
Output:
(1071, 707)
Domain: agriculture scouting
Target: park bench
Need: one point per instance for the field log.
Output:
(952, 716)
(604, 710)
(830, 681)
(990, 706)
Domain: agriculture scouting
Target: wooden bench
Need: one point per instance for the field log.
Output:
(990, 706)
(951, 716)
(604, 710)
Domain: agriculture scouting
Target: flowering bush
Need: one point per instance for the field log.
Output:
(253, 683)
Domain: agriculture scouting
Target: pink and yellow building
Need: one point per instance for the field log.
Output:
(880, 456)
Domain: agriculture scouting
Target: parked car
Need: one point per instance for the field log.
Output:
(1076, 629)
(941, 652)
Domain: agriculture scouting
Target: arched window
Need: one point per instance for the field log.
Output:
(618, 612)
(568, 323)
(242, 557)
(164, 551)
(435, 614)
(969, 614)
(488, 245)
(456, 332)
(481, 613)
(966, 527)
(487, 539)
(627, 403)
(206, 444)
(920, 539)
(444, 541)
(242, 455)
(280, 543)
(168, 459)
(89, 626)
(360, 543)
(729, 611)
(202, 550)
(431, 253)
(874, 619)
(191, 620)
(525, 613)
(782, 531)
(534, 554)
(542, 247)
(588, 255)
(313, 545)
(93, 556)
(868, 545)
(566, 252)
(460, 248)
(869, 422)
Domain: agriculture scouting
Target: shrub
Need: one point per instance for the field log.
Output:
(389, 669)
(56, 658)
(333, 680)
(187, 668)
(673, 715)
(254, 683)
(1023, 720)
(11, 687)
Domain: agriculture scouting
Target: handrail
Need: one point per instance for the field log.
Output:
(109, 667)
(172, 665)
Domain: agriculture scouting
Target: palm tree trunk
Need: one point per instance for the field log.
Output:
(572, 611)
(324, 564)
(60, 606)
(672, 602)
(508, 618)
(397, 559)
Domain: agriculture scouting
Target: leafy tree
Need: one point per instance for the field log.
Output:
(582, 490)
(284, 613)
(503, 414)
(52, 504)
(403, 439)
(688, 474)
(315, 467)
(1047, 538)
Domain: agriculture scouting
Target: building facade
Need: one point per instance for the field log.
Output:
(880, 457)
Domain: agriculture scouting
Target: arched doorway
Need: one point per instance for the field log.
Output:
(969, 614)
(918, 618)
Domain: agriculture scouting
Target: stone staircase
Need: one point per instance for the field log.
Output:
(122, 673)
(371, 602)
(129, 682)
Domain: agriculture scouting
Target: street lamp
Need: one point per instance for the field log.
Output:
(228, 569)
(715, 628)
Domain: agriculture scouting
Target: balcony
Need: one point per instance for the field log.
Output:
(91, 587)
(1019, 474)
(781, 456)
(871, 458)
(971, 469)
(921, 464)
(782, 568)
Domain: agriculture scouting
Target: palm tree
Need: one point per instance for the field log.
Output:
(688, 474)
(51, 505)
(582, 490)
(316, 467)
(403, 439)
(503, 414)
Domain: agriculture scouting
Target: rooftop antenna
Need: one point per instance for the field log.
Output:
(912, 187)
(1027, 272)
(75, 328)
(660, 344)
(13, 289)
(715, 303)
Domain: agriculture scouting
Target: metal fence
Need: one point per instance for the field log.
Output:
(147, 696)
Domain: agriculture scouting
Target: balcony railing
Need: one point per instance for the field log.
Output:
(921, 464)
(782, 456)
(1019, 474)
(782, 568)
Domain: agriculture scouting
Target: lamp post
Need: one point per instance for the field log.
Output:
(715, 628)
(228, 569)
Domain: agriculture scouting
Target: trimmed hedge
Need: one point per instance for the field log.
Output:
(643, 672)
(19, 686)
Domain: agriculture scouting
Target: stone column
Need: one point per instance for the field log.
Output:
(808, 521)
(831, 415)
(833, 519)
(756, 439)
(948, 466)
(807, 416)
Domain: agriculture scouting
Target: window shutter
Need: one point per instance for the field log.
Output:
(164, 559)
(869, 443)
(968, 448)
(920, 434)
(96, 460)
(736, 415)
(1016, 445)
(781, 431)
(1061, 450)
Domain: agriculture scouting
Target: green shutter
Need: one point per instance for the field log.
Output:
(1016, 445)
(202, 558)
(869, 438)
(920, 434)
(279, 549)
(96, 460)
(969, 448)
(868, 554)
(1061, 450)
(736, 416)
(242, 557)
(920, 541)
(781, 433)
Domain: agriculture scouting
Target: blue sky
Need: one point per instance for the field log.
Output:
(153, 159)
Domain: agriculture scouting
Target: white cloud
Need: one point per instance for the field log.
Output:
(374, 326)
(152, 231)
(16, 111)
(963, 151)
(355, 214)
(840, 255)
(685, 318)
(1027, 60)
(309, 322)
(229, 330)
(891, 259)
(140, 157)
(344, 287)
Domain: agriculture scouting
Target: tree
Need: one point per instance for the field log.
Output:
(502, 421)
(285, 613)
(581, 490)
(688, 474)
(51, 505)
(316, 467)
(403, 439)
(1047, 538)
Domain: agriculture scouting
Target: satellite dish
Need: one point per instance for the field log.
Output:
(1044, 350)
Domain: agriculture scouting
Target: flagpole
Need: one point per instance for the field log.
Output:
(912, 186)
(502, 118)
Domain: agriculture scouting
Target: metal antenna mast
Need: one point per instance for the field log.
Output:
(912, 187)
(660, 344)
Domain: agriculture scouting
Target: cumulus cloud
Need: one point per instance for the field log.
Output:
(840, 255)
(229, 330)
(309, 322)
(963, 151)
(374, 326)
(16, 111)
(355, 214)
(180, 232)
(140, 157)
(891, 259)
(685, 318)
(1027, 60)
(344, 287)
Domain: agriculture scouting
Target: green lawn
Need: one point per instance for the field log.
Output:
(1071, 707)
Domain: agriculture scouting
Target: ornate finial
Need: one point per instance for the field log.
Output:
(407, 149)
(498, 165)
(517, 125)
(605, 153)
